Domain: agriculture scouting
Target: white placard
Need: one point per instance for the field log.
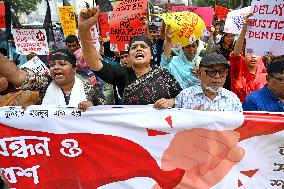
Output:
(30, 40)
(235, 20)
(267, 31)
(36, 65)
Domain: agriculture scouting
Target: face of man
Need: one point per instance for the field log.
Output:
(252, 61)
(72, 47)
(62, 72)
(124, 60)
(139, 53)
(276, 84)
(217, 29)
(190, 50)
(153, 34)
(213, 78)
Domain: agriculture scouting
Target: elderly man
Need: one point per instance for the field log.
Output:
(271, 96)
(210, 94)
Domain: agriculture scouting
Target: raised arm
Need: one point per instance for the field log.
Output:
(168, 41)
(87, 18)
(11, 72)
(240, 41)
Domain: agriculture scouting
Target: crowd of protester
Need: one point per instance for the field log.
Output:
(212, 73)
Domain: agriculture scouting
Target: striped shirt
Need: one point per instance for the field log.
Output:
(194, 96)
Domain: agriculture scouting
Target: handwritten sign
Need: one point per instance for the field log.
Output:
(266, 33)
(221, 12)
(67, 19)
(30, 40)
(188, 25)
(206, 13)
(2, 15)
(125, 22)
(103, 24)
(37, 66)
(235, 20)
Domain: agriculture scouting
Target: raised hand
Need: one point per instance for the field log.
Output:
(169, 34)
(88, 18)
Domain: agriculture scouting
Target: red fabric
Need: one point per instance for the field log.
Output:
(104, 159)
(221, 12)
(242, 81)
(2, 15)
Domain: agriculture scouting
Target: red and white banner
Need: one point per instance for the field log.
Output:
(30, 40)
(140, 147)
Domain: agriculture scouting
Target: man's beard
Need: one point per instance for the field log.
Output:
(212, 90)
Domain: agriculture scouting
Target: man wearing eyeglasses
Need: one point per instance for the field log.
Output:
(210, 94)
(271, 97)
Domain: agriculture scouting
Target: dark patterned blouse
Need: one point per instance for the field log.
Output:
(147, 89)
(40, 83)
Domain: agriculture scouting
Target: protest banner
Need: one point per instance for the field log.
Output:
(2, 15)
(67, 19)
(206, 13)
(221, 12)
(104, 25)
(266, 33)
(36, 65)
(138, 146)
(188, 25)
(30, 40)
(235, 20)
(125, 22)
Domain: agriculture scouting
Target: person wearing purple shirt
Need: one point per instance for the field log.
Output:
(271, 97)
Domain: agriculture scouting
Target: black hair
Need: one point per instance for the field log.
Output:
(153, 27)
(141, 38)
(68, 54)
(216, 24)
(276, 66)
(71, 39)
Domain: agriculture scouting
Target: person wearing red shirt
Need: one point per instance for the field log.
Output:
(248, 73)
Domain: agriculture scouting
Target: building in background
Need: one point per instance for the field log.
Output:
(39, 14)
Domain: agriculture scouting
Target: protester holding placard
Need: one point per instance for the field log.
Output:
(271, 97)
(139, 84)
(248, 73)
(63, 84)
(181, 66)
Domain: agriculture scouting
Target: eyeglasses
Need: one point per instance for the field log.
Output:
(281, 80)
(212, 73)
(153, 31)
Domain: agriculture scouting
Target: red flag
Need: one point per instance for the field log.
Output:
(221, 12)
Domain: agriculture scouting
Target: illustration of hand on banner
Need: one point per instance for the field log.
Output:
(206, 155)
(188, 25)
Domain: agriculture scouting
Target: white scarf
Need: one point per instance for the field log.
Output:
(55, 96)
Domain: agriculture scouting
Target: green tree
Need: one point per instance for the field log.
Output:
(25, 6)
(232, 4)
